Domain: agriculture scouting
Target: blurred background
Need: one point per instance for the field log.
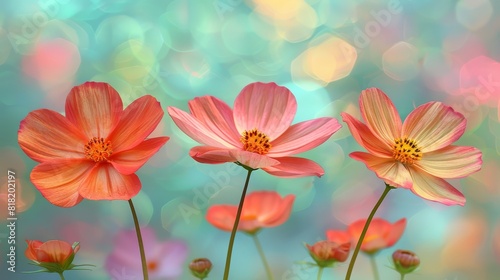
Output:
(325, 52)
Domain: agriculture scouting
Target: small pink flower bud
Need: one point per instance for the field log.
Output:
(325, 252)
(200, 267)
(405, 261)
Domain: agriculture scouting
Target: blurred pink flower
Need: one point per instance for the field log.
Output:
(381, 234)
(165, 259)
(257, 134)
(416, 154)
(260, 209)
(94, 150)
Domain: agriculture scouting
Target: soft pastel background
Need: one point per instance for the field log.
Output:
(326, 52)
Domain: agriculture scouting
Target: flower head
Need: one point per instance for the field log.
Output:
(257, 133)
(261, 209)
(53, 255)
(405, 261)
(326, 252)
(417, 154)
(165, 259)
(381, 234)
(94, 150)
(200, 267)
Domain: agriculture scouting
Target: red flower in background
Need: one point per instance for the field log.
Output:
(94, 150)
(381, 234)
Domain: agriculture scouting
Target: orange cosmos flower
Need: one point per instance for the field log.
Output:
(257, 133)
(326, 252)
(260, 209)
(94, 150)
(54, 254)
(381, 234)
(416, 154)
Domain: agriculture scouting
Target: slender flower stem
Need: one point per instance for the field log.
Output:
(139, 239)
(263, 257)
(61, 275)
(374, 267)
(365, 229)
(320, 272)
(235, 227)
(402, 276)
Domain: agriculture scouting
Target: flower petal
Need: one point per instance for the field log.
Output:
(338, 236)
(216, 116)
(264, 106)
(46, 135)
(54, 251)
(196, 130)
(451, 162)
(435, 189)
(129, 161)
(172, 255)
(269, 208)
(395, 232)
(292, 167)
(58, 181)
(105, 182)
(94, 107)
(222, 216)
(389, 170)
(253, 160)
(138, 120)
(366, 138)
(380, 115)
(33, 246)
(211, 155)
(434, 126)
(303, 136)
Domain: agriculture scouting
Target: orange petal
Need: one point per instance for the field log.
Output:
(222, 216)
(451, 162)
(268, 207)
(380, 115)
(54, 251)
(94, 107)
(105, 182)
(33, 246)
(363, 135)
(46, 135)
(395, 232)
(435, 189)
(338, 236)
(58, 181)
(138, 120)
(293, 167)
(128, 162)
(434, 126)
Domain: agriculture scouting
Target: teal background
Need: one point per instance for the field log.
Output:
(325, 52)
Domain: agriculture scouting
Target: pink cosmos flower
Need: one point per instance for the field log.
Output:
(94, 150)
(165, 259)
(260, 209)
(416, 154)
(381, 234)
(257, 133)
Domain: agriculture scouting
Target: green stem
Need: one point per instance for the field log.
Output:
(363, 233)
(402, 276)
(235, 226)
(62, 276)
(139, 239)
(374, 267)
(320, 272)
(263, 257)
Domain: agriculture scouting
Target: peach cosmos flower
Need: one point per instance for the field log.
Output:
(94, 150)
(260, 209)
(55, 253)
(326, 252)
(381, 234)
(257, 133)
(416, 154)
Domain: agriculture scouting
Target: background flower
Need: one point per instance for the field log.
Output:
(381, 234)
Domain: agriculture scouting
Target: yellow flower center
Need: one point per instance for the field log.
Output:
(406, 151)
(97, 149)
(255, 141)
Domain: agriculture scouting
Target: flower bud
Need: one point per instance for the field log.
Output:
(325, 252)
(405, 261)
(200, 267)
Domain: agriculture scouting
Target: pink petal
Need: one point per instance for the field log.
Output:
(451, 162)
(105, 182)
(94, 107)
(395, 232)
(292, 167)
(303, 136)
(58, 181)
(46, 135)
(128, 162)
(173, 254)
(366, 138)
(267, 107)
(380, 115)
(211, 155)
(435, 189)
(387, 169)
(434, 126)
(196, 130)
(253, 160)
(138, 120)
(216, 116)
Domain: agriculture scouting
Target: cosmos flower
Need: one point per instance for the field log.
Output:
(381, 234)
(94, 150)
(257, 133)
(261, 209)
(53, 255)
(417, 154)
